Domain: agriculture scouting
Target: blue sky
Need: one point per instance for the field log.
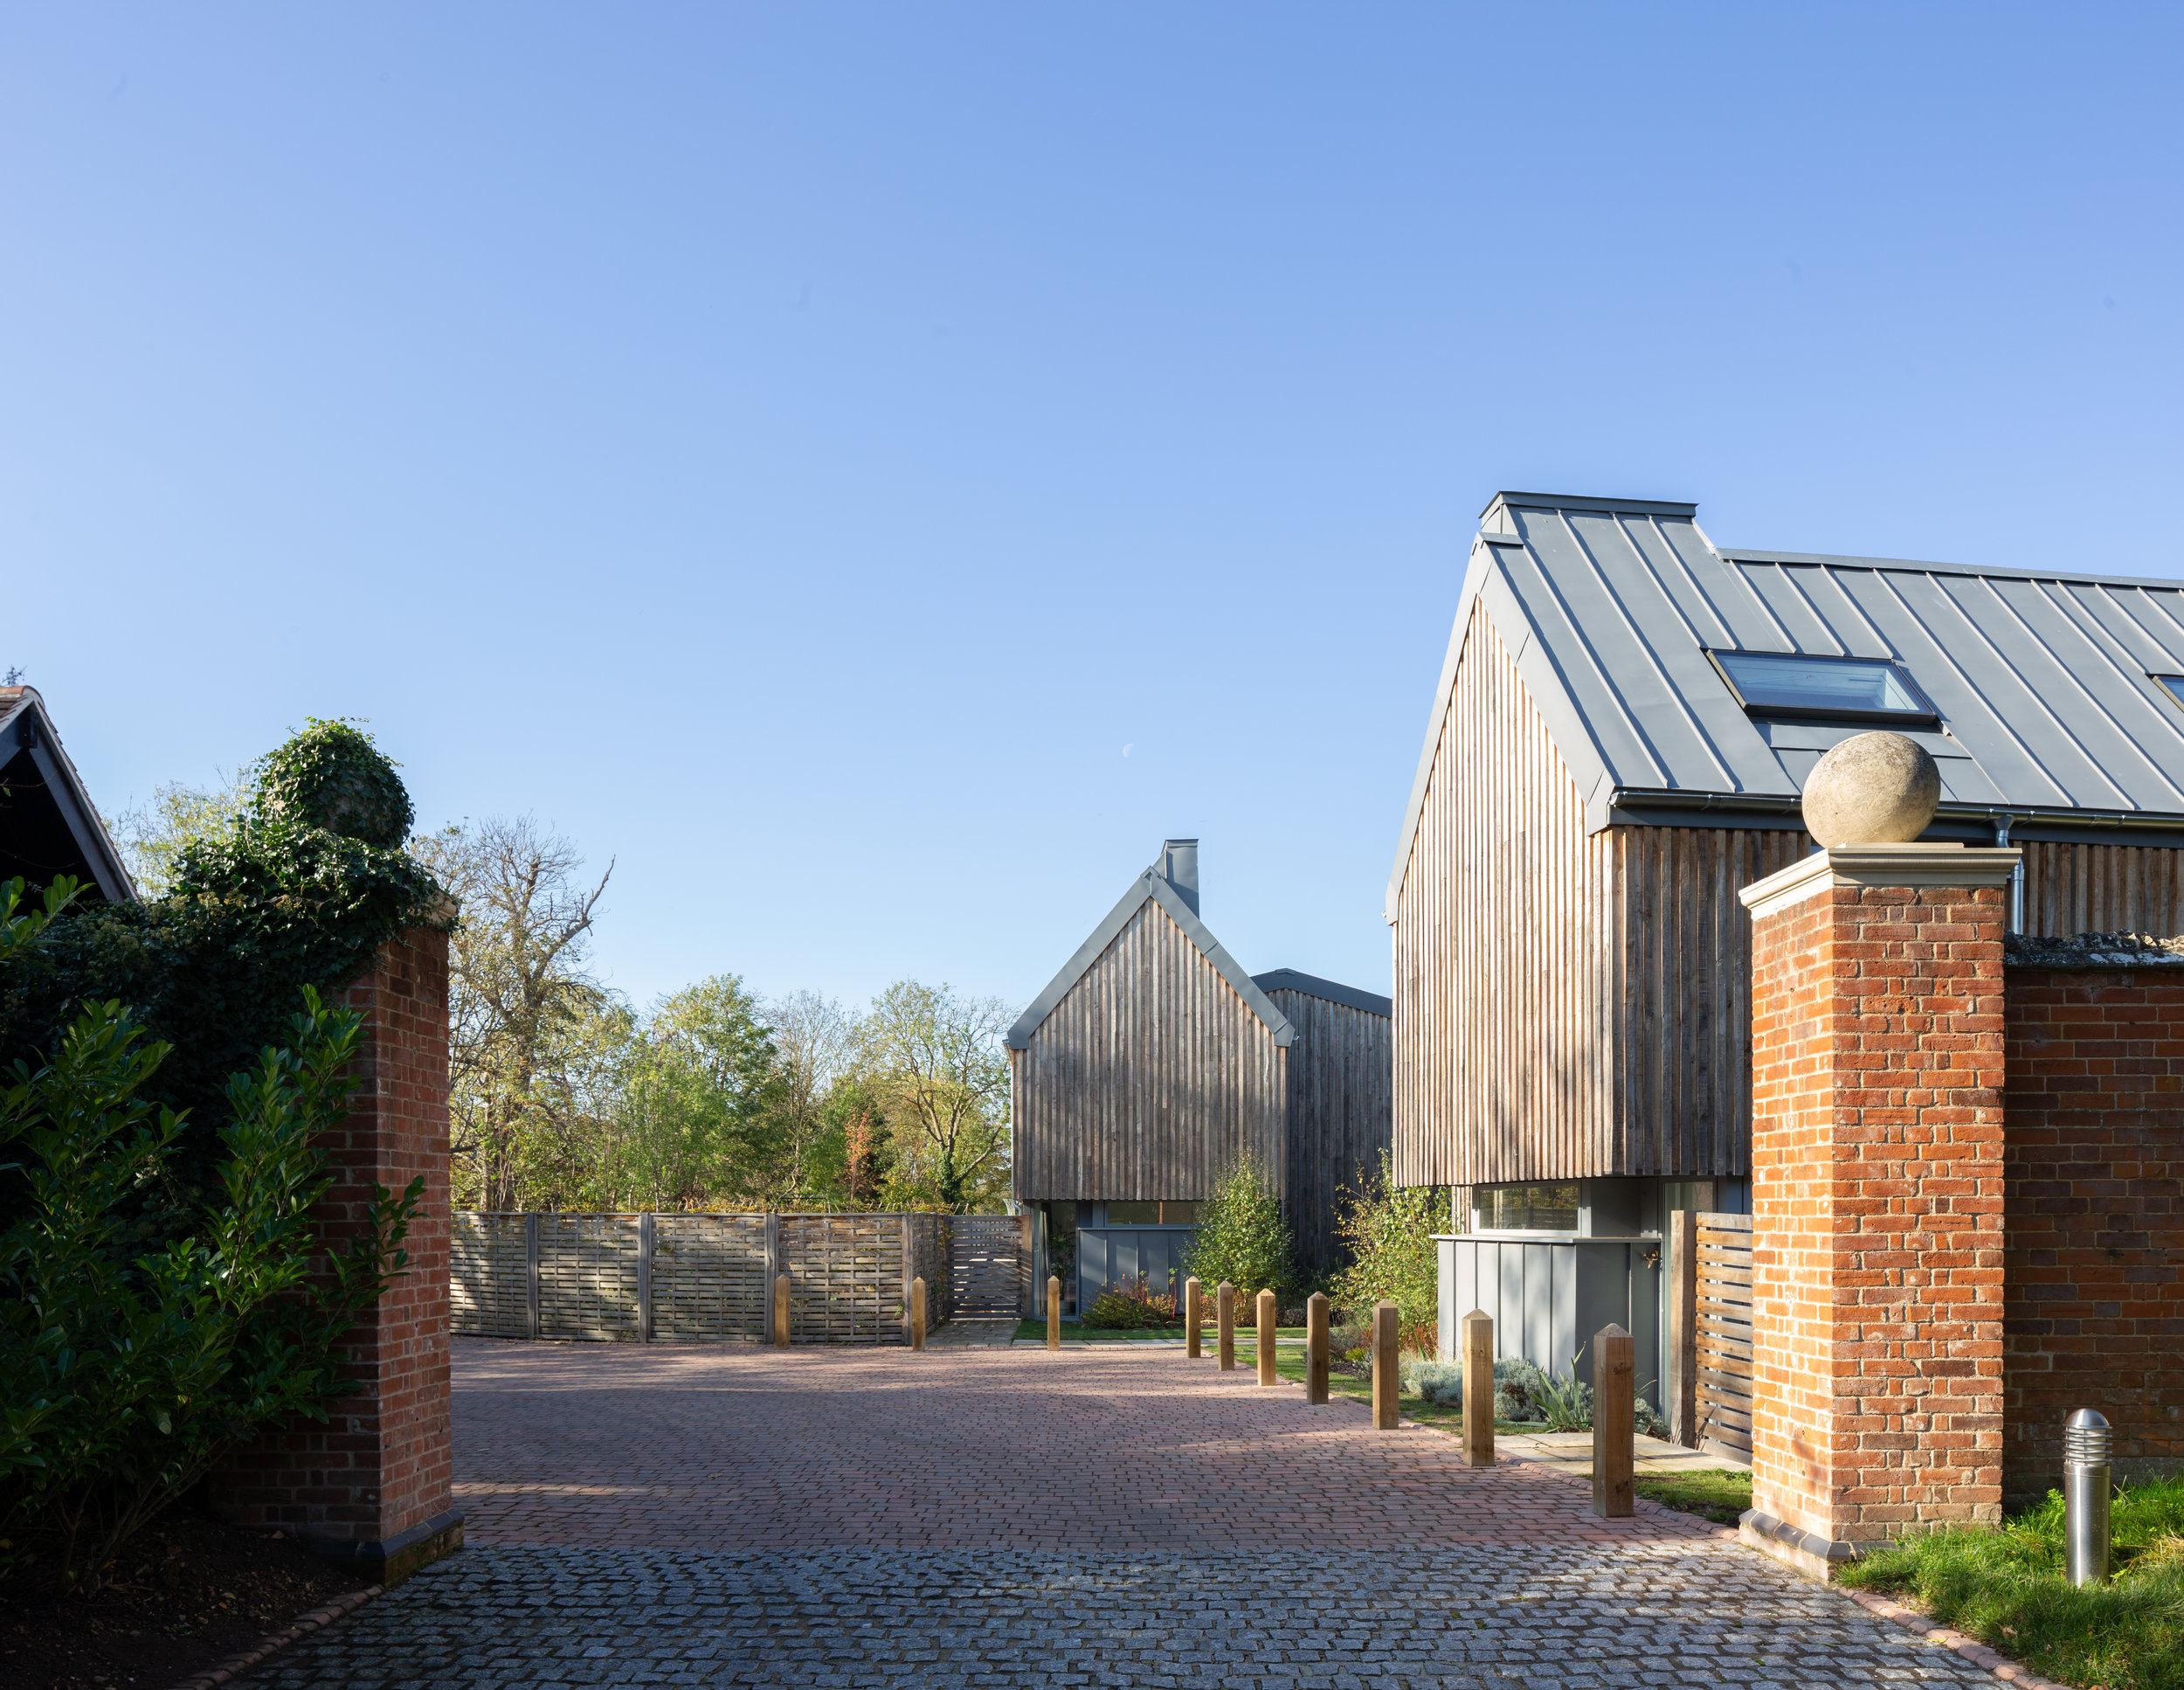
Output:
(873, 472)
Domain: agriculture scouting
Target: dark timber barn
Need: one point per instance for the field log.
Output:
(1153, 1062)
(1618, 745)
(48, 827)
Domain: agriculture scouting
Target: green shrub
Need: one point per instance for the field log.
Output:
(123, 1379)
(1243, 1237)
(1131, 1306)
(1387, 1231)
(2004, 1586)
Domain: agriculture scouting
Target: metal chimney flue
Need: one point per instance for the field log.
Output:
(1180, 868)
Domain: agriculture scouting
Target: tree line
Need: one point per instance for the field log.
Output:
(563, 1094)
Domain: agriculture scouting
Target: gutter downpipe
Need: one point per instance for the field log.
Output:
(2003, 820)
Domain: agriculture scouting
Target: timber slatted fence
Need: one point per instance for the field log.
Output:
(1724, 1335)
(988, 1271)
(662, 1276)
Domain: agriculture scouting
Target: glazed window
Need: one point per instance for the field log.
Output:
(2175, 685)
(1792, 686)
(1527, 1208)
(1161, 1214)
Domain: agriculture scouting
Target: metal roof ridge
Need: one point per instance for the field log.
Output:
(1592, 501)
(2005, 572)
(1315, 986)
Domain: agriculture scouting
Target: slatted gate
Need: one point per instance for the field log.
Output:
(986, 1269)
(1723, 1339)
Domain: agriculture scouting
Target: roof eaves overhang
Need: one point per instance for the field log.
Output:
(1155, 887)
(27, 728)
(1665, 807)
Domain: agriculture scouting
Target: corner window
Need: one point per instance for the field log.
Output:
(1792, 686)
(1527, 1208)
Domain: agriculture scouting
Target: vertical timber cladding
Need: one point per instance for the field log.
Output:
(2102, 888)
(1565, 1005)
(1148, 1079)
(1339, 1111)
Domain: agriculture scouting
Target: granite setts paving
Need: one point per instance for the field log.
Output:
(706, 1515)
(1679, 1613)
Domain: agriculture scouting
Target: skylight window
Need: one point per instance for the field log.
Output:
(1797, 688)
(2175, 684)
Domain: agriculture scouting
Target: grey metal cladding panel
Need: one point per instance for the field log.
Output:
(1566, 633)
(1972, 716)
(2147, 622)
(1542, 676)
(2113, 710)
(2019, 678)
(1719, 597)
(1812, 614)
(1710, 743)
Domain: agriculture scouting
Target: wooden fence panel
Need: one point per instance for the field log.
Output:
(488, 1295)
(588, 1276)
(846, 1279)
(1723, 1339)
(709, 1276)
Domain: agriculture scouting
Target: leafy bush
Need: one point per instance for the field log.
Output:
(1437, 1382)
(1131, 1306)
(1387, 1231)
(2006, 1587)
(122, 1379)
(1243, 1237)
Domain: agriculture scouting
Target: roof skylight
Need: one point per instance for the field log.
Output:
(1798, 688)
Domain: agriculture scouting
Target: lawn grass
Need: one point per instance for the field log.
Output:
(1720, 1494)
(2005, 1587)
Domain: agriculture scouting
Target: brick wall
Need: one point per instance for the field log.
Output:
(373, 1483)
(2094, 1302)
(1877, 1198)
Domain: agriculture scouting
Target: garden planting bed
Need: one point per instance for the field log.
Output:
(187, 1594)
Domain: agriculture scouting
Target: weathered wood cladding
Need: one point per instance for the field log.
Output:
(1503, 934)
(1566, 1006)
(1149, 1079)
(2103, 889)
(1340, 1112)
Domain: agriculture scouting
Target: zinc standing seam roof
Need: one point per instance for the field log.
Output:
(2042, 680)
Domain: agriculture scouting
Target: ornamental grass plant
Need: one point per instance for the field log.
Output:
(2004, 1586)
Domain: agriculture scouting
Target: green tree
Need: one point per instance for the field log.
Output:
(153, 837)
(1387, 1231)
(1243, 1237)
(938, 1061)
(702, 1116)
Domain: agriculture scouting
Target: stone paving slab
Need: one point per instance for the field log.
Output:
(734, 1447)
(1663, 1613)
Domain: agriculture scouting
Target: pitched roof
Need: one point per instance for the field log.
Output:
(2043, 681)
(1289, 979)
(49, 826)
(1155, 885)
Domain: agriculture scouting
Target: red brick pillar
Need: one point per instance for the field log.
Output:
(372, 1486)
(1877, 1197)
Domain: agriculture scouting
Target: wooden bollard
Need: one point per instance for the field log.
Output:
(1386, 1378)
(781, 1312)
(1193, 1312)
(917, 1313)
(1478, 1387)
(1054, 1311)
(1614, 1388)
(1266, 1337)
(1224, 1314)
(1316, 1349)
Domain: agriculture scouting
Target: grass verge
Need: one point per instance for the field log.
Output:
(2005, 1587)
(1720, 1494)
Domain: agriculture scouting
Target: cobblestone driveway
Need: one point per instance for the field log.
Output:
(747, 1518)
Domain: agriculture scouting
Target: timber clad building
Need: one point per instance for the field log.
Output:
(1623, 730)
(1152, 1063)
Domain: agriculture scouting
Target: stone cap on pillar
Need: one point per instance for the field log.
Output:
(1919, 863)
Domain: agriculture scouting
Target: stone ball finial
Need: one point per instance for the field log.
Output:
(1872, 789)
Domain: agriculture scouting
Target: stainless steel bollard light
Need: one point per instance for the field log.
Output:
(2086, 1442)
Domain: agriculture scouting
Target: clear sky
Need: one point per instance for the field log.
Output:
(873, 472)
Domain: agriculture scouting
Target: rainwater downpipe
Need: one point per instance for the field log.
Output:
(2002, 821)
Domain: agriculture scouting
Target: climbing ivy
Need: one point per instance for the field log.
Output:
(302, 891)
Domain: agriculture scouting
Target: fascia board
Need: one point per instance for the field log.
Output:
(1147, 885)
(1475, 574)
(1550, 695)
(76, 808)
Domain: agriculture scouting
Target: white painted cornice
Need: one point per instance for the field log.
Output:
(1917, 864)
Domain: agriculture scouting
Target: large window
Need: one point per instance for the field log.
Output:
(1527, 1208)
(1787, 684)
(1162, 1214)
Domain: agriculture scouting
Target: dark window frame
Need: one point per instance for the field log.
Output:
(1928, 718)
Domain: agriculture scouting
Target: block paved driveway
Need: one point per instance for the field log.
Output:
(686, 1514)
